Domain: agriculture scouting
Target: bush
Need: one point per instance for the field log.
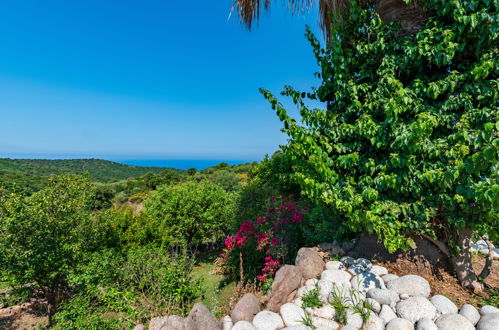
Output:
(191, 212)
(116, 290)
(408, 141)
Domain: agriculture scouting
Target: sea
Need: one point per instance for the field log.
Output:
(182, 164)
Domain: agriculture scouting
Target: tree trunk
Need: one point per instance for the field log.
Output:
(462, 262)
(51, 306)
(411, 16)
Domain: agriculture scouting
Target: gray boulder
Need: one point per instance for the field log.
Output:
(374, 322)
(415, 308)
(379, 270)
(412, 285)
(319, 323)
(387, 314)
(202, 318)
(267, 320)
(367, 280)
(426, 324)
(347, 261)
(399, 324)
(287, 279)
(246, 308)
(470, 312)
(488, 322)
(383, 296)
(326, 312)
(453, 322)
(365, 263)
(444, 305)
(310, 262)
(335, 265)
(353, 319)
(292, 314)
(487, 309)
(389, 277)
(172, 322)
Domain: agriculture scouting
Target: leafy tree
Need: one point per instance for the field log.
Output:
(43, 236)
(408, 142)
(191, 212)
(227, 180)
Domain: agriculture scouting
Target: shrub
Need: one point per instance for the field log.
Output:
(408, 141)
(191, 212)
(311, 299)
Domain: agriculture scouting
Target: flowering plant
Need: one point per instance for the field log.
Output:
(260, 246)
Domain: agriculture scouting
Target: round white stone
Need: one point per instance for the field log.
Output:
(347, 261)
(488, 322)
(353, 319)
(243, 325)
(267, 320)
(374, 323)
(413, 285)
(367, 280)
(470, 312)
(356, 269)
(375, 306)
(389, 277)
(426, 324)
(319, 322)
(399, 324)
(444, 305)
(325, 287)
(336, 276)
(292, 314)
(325, 312)
(335, 265)
(415, 308)
(383, 296)
(387, 314)
(366, 264)
(311, 282)
(487, 309)
(379, 270)
(453, 322)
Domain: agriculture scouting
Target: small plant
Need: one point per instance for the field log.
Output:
(307, 320)
(339, 300)
(311, 299)
(342, 300)
(267, 286)
(492, 299)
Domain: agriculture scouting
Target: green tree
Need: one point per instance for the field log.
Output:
(408, 142)
(227, 180)
(191, 212)
(43, 236)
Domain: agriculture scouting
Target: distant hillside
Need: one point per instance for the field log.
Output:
(98, 169)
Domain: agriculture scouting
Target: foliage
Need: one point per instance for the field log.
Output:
(227, 180)
(191, 212)
(492, 298)
(117, 289)
(44, 236)
(408, 142)
(311, 299)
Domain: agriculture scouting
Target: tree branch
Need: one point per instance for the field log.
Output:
(488, 262)
(440, 245)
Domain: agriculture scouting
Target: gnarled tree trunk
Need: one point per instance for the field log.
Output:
(462, 261)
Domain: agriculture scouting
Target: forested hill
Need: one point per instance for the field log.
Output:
(98, 169)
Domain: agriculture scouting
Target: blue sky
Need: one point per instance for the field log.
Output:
(145, 79)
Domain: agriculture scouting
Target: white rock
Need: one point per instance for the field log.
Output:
(353, 319)
(375, 306)
(387, 314)
(470, 312)
(302, 291)
(298, 302)
(325, 312)
(374, 323)
(415, 308)
(426, 324)
(335, 265)
(367, 280)
(292, 314)
(453, 322)
(383, 296)
(379, 270)
(267, 320)
(389, 277)
(243, 325)
(487, 309)
(488, 322)
(365, 263)
(297, 327)
(325, 287)
(311, 282)
(356, 269)
(347, 261)
(444, 305)
(399, 324)
(404, 296)
(337, 276)
(413, 285)
(319, 322)
(227, 323)
(348, 327)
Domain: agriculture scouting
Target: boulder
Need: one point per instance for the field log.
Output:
(375, 306)
(339, 277)
(488, 322)
(227, 323)
(311, 282)
(364, 263)
(412, 285)
(415, 308)
(333, 249)
(487, 309)
(379, 270)
(399, 324)
(302, 291)
(335, 265)
(325, 288)
(297, 327)
(389, 277)
(347, 261)
(172, 322)
(243, 325)
(287, 279)
(310, 262)
(356, 269)
(139, 327)
(347, 327)
(267, 320)
(374, 322)
(325, 312)
(246, 308)
(387, 314)
(453, 322)
(426, 324)
(292, 314)
(470, 312)
(202, 318)
(444, 305)
(353, 319)
(319, 322)
(367, 280)
(383, 296)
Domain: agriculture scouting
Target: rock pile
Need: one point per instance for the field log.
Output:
(348, 294)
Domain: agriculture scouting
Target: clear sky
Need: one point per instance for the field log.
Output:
(145, 79)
